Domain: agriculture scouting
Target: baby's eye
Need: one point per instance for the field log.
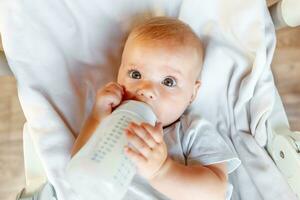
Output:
(170, 82)
(134, 74)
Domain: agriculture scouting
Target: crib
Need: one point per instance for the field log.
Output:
(283, 145)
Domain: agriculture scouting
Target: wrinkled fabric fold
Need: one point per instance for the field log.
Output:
(61, 51)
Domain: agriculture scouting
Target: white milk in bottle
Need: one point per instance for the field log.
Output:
(100, 170)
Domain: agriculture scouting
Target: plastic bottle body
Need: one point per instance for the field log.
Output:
(101, 170)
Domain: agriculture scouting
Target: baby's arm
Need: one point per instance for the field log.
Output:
(195, 182)
(173, 179)
(109, 97)
(86, 132)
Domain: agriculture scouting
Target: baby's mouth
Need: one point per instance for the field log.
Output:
(125, 97)
(139, 99)
(129, 96)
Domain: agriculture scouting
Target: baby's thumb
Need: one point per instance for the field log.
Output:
(158, 125)
(159, 130)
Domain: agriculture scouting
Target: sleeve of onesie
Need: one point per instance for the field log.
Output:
(203, 144)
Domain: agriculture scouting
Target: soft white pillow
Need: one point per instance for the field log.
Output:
(61, 51)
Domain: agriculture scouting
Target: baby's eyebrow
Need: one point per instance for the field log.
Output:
(171, 69)
(175, 71)
(134, 65)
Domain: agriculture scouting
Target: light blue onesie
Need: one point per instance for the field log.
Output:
(188, 143)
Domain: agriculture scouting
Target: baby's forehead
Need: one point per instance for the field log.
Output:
(164, 38)
(184, 58)
(167, 45)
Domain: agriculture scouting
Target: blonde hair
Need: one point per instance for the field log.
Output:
(170, 31)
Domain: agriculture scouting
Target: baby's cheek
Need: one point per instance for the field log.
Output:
(169, 113)
(169, 106)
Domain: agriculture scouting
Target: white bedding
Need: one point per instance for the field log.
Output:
(61, 51)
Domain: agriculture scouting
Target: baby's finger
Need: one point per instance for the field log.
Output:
(115, 90)
(143, 134)
(134, 156)
(138, 143)
(114, 99)
(107, 93)
(116, 87)
(156, 131)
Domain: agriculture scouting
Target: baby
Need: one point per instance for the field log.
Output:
(160, 66)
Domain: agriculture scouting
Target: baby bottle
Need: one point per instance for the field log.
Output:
(100, 170)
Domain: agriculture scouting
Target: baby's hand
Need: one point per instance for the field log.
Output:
(149, 150)
(107, 98)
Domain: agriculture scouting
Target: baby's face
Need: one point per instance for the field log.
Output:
(162, 76)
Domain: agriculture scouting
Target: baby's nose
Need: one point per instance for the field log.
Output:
(146, 94)
(147, 91)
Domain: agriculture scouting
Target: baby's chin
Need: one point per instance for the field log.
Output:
(169, 123)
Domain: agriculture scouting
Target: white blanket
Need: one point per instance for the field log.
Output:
(61, 51)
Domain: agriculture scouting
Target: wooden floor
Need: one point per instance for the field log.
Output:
(286, 68)
(11, 154)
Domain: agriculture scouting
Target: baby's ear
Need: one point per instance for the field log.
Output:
(196, 88)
